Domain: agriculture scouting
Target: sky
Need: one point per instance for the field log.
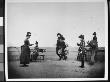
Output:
(45, 19)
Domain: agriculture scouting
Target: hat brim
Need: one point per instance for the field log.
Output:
(94, 33)
(81, 37)
(28, 35)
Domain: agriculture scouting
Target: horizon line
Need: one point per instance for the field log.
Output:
(50, 46)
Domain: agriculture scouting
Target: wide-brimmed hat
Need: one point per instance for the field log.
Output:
(28, 34)
(58, 34)
(94, 33)
(81, 36)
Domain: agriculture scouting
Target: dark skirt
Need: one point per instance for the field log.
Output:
(34, 56)
(25, 55)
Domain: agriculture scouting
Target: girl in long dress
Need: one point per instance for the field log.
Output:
(35, 52)
(82, 52)
(25, 51)
(94, 48)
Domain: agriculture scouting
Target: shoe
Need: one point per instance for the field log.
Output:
(91, 63)
(59, 58)
(82, 66)
(25, 65)
(30, 59)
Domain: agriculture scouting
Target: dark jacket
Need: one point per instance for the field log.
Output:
(95, 38)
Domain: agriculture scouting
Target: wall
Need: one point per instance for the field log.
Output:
(14, 52)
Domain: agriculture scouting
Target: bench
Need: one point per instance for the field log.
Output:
(41, 57)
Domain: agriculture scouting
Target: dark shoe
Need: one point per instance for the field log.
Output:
(25, 65)
(30, 59)
(91, 63)
(22, 66)
(82, 66)
(65, 57)
(60, 58)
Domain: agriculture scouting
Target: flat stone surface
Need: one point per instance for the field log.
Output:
(1, 76)
(51, 67)
(1, 67)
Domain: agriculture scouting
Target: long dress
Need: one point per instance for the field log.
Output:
(94, 49)
(60, 44)
(35, 53)
(82, 52)
(25, 53)
(57, 47)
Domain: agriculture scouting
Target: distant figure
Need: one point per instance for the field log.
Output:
(94, 48)
(25, 51)
(58, 44)
(93, 44)
(82, 50)
(60, 47)
(35, 52)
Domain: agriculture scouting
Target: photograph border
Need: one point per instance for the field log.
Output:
(59, 79)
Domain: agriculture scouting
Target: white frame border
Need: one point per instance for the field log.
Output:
(59, 79)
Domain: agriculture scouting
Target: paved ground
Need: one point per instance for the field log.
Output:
(1, 67)
(1, 76)
(51, 67)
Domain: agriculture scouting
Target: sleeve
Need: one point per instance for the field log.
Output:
(95, 38)
(29, 42)
(57, 42)
(26, 42)
(84, 43)
(64, 45)
(80, 44)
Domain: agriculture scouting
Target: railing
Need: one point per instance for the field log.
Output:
(14, 55)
